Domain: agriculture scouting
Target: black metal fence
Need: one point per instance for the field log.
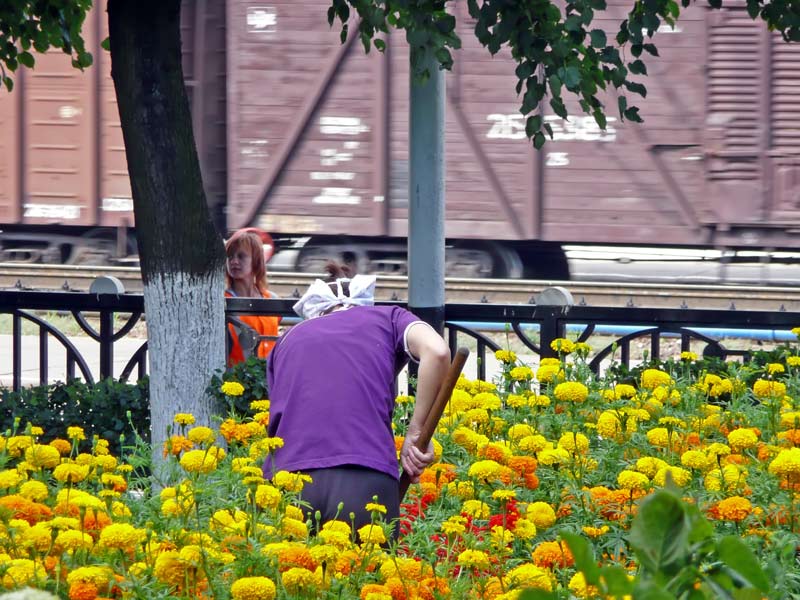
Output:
(36, 344)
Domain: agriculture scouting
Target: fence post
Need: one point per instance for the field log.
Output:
(552, 305)
(106, 284)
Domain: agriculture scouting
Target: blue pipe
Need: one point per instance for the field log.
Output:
(766, 335)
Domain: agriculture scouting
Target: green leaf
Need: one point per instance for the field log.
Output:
(26, 59)
(555, 85)
(549, 129)
(532, 125)
(715, 3)
(572, 23)
(600, 119)
(741, 559)
(617, 582)
(557, 104)
(584, 557)
(660, 532)
(650, 591)
(8, 83)
(632, 114)
(622, 103)
(636, 88)
(753, 7)
(538, 140)
(650, 49)
(106, 44)
(598, 37)
(418, 37)
(571, 77)
(637, 67)
(536, 594)
(380, 44)
(343, 34)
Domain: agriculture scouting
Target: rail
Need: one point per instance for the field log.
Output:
(106, 320)
(31, 277)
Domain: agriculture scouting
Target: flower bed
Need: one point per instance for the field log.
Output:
(676, 479)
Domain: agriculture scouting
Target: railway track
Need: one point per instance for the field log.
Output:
(500, 291)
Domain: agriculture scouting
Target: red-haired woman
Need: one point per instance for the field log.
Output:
(246, 277)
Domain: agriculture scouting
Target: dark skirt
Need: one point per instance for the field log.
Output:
(353, 486)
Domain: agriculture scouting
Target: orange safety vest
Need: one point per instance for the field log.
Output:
(263, 325)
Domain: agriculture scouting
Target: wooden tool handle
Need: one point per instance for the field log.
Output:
(435, 413)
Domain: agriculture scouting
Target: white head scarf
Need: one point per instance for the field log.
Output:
(320, 297)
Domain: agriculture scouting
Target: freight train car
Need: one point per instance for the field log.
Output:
(307, 138)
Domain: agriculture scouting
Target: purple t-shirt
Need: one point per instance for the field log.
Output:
(331, 389)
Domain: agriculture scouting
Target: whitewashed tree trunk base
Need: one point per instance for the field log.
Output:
(186, 341)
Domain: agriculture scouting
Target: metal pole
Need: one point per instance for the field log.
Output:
(426, 208)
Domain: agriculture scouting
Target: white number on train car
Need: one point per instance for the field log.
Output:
(336, 196)
(342, 125)
(53, 211)
(506, 127)
(577, 129)
(118, 204)
(262, 19)
(557, 159)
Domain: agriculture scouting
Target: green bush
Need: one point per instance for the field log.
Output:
(110, 409)
(252, 374)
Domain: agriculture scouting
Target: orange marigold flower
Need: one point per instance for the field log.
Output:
(734, 509)
(553, 554)
(22, 508)
(177, 444)
(62, 445)
(83, 590)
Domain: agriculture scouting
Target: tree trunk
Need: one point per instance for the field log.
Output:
(181, 253)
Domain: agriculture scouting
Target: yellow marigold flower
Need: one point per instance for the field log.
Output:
(574, 442)
(734, 509)
(516, 401)
(553, 457)
(477, 509)
(267, 496)
(475, 559)
(253, 588)
(121, 535)
(98, 575)
(793, 361)
(487, 401)
(650, 465)
(201, 435)
(562, 345)
(774, 368)
(688, 356)
(41, 456)
(528, 575)
(519, 431)
(62, 445)
(696, 459)
(717, 449)
(484, 470)
(541, 514)
(374, 507)
(680, 476)
(461, 489)
(786, 465)
(796, 331)
(571, 391)
(767, 388)
(199, 461)
(580, 588)
(521, 373)
(452, 528)
(294, 529)
(548, 373)
(16, 444)
(375, 591)
(232, 388)
(742, 439)
(18, 572)
(506, 356)
(290, 482)
(538, 401)
(34, 490)
(184, 419)
(504, 495)
(371, 534)
(652, 378)
(76, 433)
(10, 478)
(594, 532)
(71, 473)
(71, 540)
(525, 529)
(731, 477)
(632, 480)
(790, 419)
(609, 425)
(659, 436)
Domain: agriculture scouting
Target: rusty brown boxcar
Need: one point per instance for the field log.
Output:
(308, 138)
